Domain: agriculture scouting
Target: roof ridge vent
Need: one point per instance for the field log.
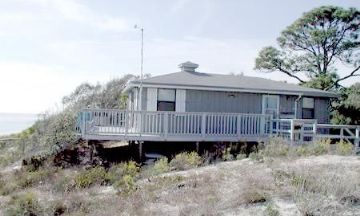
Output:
(188, 66)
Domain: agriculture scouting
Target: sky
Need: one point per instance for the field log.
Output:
(48, 47)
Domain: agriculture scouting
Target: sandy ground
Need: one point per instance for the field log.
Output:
(210, 190)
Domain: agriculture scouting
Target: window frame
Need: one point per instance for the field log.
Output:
(166, 101)
(308, 108)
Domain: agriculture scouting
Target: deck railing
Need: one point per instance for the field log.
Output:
(197, 126)
(170, 124)
(305, 130)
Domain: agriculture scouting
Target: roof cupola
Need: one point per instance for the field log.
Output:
(188, 66)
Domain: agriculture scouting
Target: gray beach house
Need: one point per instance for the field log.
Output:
(194, 106)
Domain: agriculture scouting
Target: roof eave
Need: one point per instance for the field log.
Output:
(282, 92)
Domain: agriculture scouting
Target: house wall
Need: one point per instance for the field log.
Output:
(287, 106)
(238, 102)
(136, 98)
(217, 101)
(322, 111)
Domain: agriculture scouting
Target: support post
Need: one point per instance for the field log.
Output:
(357, 137)
(197, 147)
(141, 150)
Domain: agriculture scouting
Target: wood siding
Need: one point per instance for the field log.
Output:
(236, 102)
(322, 111)
(216, 101)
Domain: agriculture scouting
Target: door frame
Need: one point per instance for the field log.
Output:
(271, 96)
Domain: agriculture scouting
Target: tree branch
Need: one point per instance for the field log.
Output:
(291, 75)
(346, 77)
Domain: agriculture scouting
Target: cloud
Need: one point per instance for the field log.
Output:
(74, 11)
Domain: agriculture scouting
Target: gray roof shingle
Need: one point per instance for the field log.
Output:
(234, 82)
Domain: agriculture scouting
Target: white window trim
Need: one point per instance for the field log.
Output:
(180, 100)
(151, 99)
(308, 103)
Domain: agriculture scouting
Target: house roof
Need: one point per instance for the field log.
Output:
(206, 81)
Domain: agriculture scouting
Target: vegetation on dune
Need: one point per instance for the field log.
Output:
(76, 190)
(55, 131)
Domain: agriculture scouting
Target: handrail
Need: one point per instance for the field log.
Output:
(202, 125)
(164, 123)
(159, 112)
(338, 126)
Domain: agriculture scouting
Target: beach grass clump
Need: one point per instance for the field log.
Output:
(161, 166)
(95, 175)
(185, 160)
(24, 204)
(344, 148)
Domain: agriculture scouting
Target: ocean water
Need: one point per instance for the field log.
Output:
(15, 122)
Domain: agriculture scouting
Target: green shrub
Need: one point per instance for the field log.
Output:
(126, 184)
(227, 156)
(240, 156)
(123, 176)
(321, 147)
(161, 166)
(64, 184)
(8, 188)
(344, 148)
(131, 168)
(24, 204)
(118, 171)
(87, 178)
(185, 161)
(257, 156)
(302, 150)
(30, 178)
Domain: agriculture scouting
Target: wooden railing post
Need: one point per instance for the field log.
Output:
(166, 124)
(238, 126)
(303, 124)
(203, 125)
(83, 123)
(342, 133)
(270, 123)
(357, 137)
(292, 131)
(126, 124)
(314, 130)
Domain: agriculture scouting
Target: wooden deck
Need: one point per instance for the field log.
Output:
(101, 124)
(107, 124)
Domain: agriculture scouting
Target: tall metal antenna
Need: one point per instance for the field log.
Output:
(141, 65)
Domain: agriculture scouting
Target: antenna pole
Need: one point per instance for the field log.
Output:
(142, 67)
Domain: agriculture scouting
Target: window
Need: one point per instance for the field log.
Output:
(166, 100)
(308, 108)
(271, 104)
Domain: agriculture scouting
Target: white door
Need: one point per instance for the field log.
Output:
(271, 105)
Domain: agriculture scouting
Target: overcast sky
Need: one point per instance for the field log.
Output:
(48, 47)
